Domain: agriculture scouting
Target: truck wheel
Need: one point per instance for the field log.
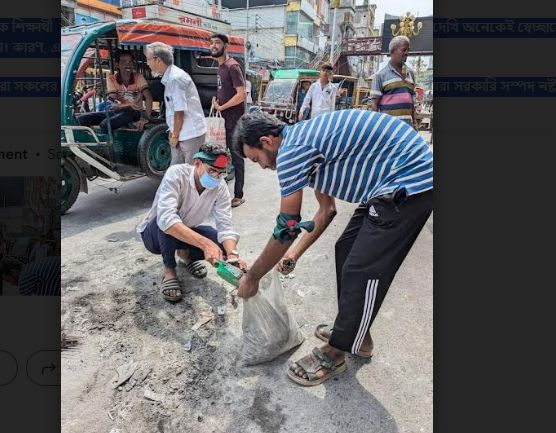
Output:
(69, 187)
(154, 151)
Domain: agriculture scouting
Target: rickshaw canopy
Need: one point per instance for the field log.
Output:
(295, 74)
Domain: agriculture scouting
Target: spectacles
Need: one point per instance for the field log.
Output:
(214, 173)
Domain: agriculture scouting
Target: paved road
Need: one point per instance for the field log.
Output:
(392, 393)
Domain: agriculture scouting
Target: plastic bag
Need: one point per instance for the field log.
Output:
(269, 329)
(216, 129)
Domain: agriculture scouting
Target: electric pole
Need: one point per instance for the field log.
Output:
(336, 4)
(247, 38)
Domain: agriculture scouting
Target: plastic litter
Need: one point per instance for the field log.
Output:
(269, 329)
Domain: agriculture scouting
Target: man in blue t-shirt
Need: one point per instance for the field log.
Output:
(358, 156)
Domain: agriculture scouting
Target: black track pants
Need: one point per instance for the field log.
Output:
(368, 254)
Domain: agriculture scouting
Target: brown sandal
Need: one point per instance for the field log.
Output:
(319, 361)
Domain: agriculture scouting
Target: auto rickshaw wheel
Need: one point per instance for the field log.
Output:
(154, 151)
(69, 186)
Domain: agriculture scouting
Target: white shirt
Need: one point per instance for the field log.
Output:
(177, 200)
(321, 100)
(180, 94)
(248, 99)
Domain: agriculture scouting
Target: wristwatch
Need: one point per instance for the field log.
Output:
(234, 253)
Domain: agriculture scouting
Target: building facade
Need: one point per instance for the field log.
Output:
(305, 32)
(90, 11)
(262, 25)
(193, 13)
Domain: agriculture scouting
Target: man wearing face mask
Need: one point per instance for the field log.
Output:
(184, 112)
(187, 195)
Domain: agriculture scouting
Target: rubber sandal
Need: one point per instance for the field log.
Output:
(197, 269)
(171, 284)
(323, 332)
(237, 202)
(319, 361)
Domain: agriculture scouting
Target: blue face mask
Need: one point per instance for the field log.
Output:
(209, 182)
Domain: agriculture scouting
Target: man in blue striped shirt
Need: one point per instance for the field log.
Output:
(364, 157)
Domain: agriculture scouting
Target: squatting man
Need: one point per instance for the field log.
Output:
(187, 195)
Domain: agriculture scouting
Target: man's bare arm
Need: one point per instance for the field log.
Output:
(324, 216)
(274, 250)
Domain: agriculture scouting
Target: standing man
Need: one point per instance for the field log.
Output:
(322, 94)
(357, 156)
(230, 101)
(184, 112)
(126, 90)
(249, 97)
(304, 88)
(393, 87)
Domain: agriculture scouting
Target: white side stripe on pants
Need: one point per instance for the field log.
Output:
(370, 296)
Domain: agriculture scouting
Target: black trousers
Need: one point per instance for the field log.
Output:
(117, 119)
(158, 242)
(368, 254)
(238, 163)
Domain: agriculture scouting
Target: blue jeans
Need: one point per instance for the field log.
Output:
(117, 119)
(158, 242)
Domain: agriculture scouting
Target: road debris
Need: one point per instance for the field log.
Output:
(204, 318)
(124, 373)
(150, 395)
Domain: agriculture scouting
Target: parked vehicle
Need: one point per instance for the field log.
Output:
(345, 82)
(87, 57)
(281, 95)
(361, 98)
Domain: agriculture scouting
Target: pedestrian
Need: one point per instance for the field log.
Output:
(393, 87)
(322, 94)
(358, 156)
(230, 101)
(184, 113)
(303, 89)
(126, 90)
(186, 197)
(39, 278)
(249, 98)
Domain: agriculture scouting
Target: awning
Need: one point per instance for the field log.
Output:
(178, 36)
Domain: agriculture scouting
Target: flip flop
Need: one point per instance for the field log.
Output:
(197, 269)
(171, 284)
(237, 202)
(319, 361)
(323, 332)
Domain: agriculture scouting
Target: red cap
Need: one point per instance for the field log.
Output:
(221, 161)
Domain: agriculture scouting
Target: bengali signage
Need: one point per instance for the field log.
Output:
(175, 16)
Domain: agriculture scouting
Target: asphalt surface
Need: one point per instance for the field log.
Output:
(391, 393)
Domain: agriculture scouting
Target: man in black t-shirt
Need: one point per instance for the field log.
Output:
(230, 101)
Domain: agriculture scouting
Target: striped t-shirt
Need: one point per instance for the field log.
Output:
(41, 277)
(395, 92)
(354, 155)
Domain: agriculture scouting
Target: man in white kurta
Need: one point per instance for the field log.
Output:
(186, 197)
